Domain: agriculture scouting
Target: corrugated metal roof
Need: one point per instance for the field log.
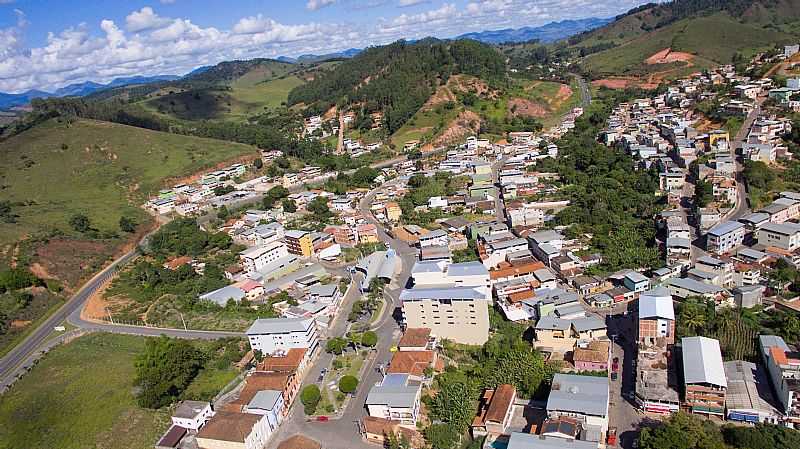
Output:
(279, 325)
(656, 303)
(725, 228)
(586, 395)
(702, 361)
(436, 293)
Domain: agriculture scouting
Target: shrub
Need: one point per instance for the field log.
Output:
(348, 384)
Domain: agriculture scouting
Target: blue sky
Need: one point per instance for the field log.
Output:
(46, 44)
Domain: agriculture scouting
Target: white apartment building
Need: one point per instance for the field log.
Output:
(271, 335)
(253, 259)
(725, 237)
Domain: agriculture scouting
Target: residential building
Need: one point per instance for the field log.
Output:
(278, 335)
(299, 243)
(636, 282)
(783, 367)
(416, 339)
(703, 376)
(686, 287)
(584, 398)
(379, 430)
(495, 411)
(725, 237)
(656, 317)
(459, 314)
(397, 398)
(254, 259)
(378, 265)
(593, 357)
(747, 296)
(230, 430)
(519, 440)
(192, 415)
(393, 211)
(270, 404)
(433, 238)
(784, 235)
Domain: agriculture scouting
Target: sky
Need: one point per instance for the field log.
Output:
(47, 44)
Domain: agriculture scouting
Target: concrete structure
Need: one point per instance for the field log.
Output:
(518, 440)
(256, 258)
(397, 398)
(229, 430)
(703, 376)
(268, 403)
(299, 243)
(748, 296)
(749, 395)
(495, 411)
(784, 235)
(378, 265)
(278, 335)
(459, 314)
(783, 367)
(584, 398)
(656, 317)
(725, 237)
(192, 415)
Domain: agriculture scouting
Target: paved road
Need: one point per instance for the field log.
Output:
(586, 94)
(344, 433)
(742, 207)
(623, 413)
(499, 205)
(28, 346)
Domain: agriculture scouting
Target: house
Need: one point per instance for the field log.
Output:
(584, 398)
(379, 430)
(686, 287)
(192, 415)
(415, 364)
(518, 440)
(396, 398)
(230, 430)
(222, 295)
(593, 357)
(416, 339)
(324, 293)
(433, 238)
(704, 378)
(367, 233)
(392, 211)
(277, 335)
(636, 282)
(494, 412)
(780, 235)
(748, 296)
(562, 334)
(270, 404)
(725, 237)
(656, 317)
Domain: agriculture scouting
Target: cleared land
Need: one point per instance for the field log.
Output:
(81, 395)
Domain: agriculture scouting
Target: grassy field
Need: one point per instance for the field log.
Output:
(425, 125)
(80, 395)
(252, 94)
(713, 39)
(101, 169)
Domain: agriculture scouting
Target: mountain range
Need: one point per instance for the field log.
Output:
(8, 101)
(550, 32)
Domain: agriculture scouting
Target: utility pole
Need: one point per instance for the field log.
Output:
(183, 321)
(109, 315)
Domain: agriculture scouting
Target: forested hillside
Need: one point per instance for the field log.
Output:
(397, 79)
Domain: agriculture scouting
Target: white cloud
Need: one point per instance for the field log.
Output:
(314, 5)
(167, 2)
(144, 19)
(404, 3)
(148, 44)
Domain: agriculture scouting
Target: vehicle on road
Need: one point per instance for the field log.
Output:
(611, 437)
(322, 419)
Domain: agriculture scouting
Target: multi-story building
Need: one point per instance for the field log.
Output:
(783, 367)
(704, 378)
(584, 398)
(656, 317)
(299, 243)
(781, 235)
(725, 237)
(278, 335)
(397, 398)
(450, 299)
(253, 259)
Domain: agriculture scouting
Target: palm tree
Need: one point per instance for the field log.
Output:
(693, 316)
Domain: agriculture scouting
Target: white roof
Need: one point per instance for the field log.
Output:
(702, 361)
(656, 303)
(279, 325)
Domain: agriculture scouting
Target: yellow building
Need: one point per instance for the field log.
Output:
(716, 135)
(299, 243)
(393, 211)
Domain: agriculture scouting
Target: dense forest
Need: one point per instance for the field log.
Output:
(397, 79)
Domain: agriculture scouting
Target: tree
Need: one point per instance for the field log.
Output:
(761, 436)
(289, 205)
(442, 436)
(273, 195)
(80, 223)
(348, 384)
(126, 224)
(258, 163)
(336, 345)
(319, 207)
(310, 397)
(369, 339)
(682, 431)
(223, 213)
(164, 370)
(703, 193)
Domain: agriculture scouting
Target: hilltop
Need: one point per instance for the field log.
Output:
(698, 34)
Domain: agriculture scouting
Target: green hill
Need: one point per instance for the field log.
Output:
(101, 169)
(397, 79)
(711, 30)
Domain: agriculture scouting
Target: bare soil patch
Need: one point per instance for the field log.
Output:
(58, 259)
(526, 108)
(666, 56)
(467, 123)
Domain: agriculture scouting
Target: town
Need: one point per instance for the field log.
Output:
(432, 253)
